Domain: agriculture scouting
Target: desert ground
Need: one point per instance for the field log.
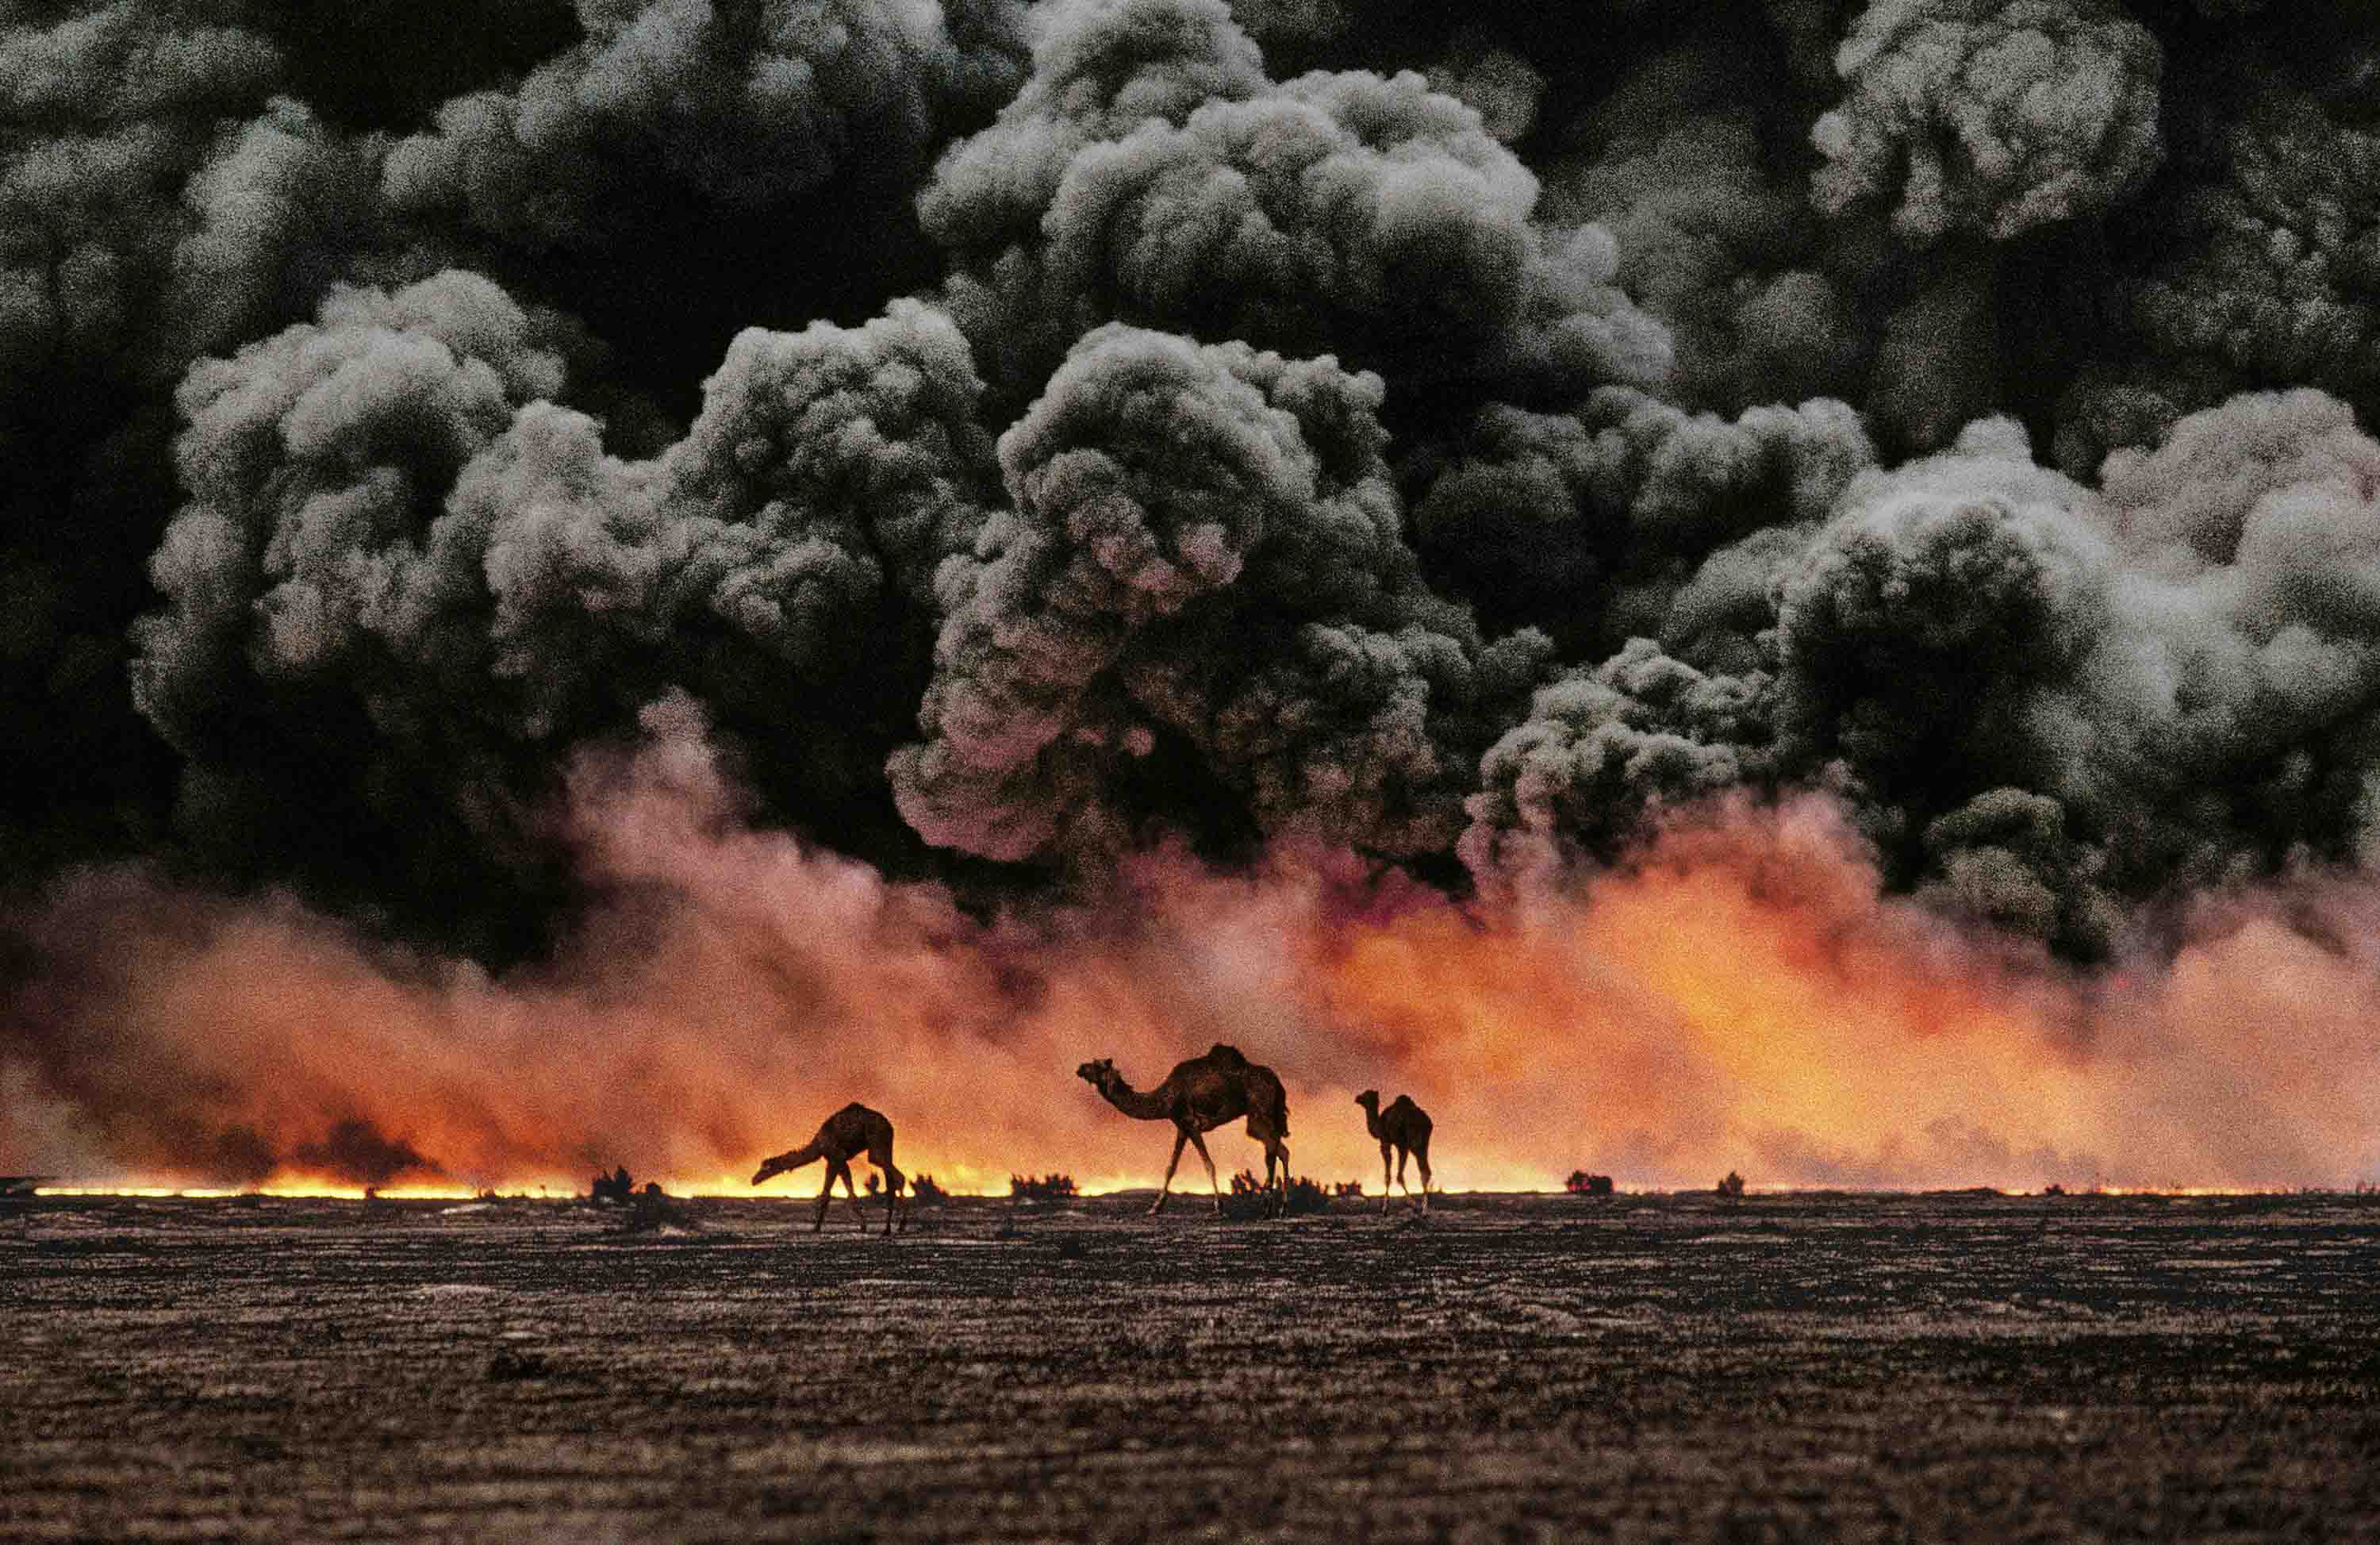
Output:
(1780, 1367)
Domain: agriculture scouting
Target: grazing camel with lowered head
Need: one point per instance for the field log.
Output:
(1405, 1127)
(1197, 1097)
(843, 1136)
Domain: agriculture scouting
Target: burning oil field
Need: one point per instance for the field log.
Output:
(1786, 590)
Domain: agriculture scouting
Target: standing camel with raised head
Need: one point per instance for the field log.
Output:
(1405, 1127)
(843, 1137)
(1199, 1096)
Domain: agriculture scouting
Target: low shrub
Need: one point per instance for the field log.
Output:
(1582, 1184)
(1251, 1199)
(1047, 1187)
(923, 1189)
(1733, 1186)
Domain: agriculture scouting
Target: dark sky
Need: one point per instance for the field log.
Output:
(1032, 433)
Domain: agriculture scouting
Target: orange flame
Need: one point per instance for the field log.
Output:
(1741, 999)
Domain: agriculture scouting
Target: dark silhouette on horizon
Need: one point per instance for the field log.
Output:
(852, 1131)
(1405, 1127)
(1197, 1097)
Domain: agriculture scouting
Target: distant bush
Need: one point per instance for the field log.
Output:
(924, 1188)
(1048, 1188)
(1348, 1189)
(1582, 1184)
(2053, 1189)
(1733, 1186)
(653, 1208)
(1250, 1199)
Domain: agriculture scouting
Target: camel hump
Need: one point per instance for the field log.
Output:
(1220, 1053)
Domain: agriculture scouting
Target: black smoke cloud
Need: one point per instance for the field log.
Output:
(1034, 432)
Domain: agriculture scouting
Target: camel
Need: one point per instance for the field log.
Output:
(1405, 1127)
(1199, 1096)
(843, 1137)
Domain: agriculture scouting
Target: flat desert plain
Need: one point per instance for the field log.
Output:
(1780, 1367)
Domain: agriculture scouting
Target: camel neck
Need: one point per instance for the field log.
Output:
(1132, 1102)
(794, 1158)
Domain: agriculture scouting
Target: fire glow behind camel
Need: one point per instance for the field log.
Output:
(1741, 997)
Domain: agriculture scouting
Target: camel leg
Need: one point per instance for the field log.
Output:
(826, 1195)
(1214, 1185)
(1181, 1136)
(851, 1189)
(1278, 1151)
(894, 1180)
(1421, 1157)
(1386, 1186)
(1401, 1185)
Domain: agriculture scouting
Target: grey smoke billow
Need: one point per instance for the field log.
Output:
(1172, 503)
(2026, 690)
(1993, 117)
(1602, 748)
(315, 461)
(1616, 503)
(1714, 228)
(1501, 86)
(1296, 23)
(1150, 172)
(155, 198)
(1723, 254)
(2259, 272)
(393, 518)
(1031, 429)
(750, 105)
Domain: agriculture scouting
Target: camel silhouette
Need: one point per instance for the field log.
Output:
(1405, 1127)
(1197, 1097)
(843, 1137)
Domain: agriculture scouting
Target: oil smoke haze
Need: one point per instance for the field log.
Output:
(1741, 997)
(1784, 585)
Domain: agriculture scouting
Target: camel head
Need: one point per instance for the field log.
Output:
(1100, 1075)
(1370, 1101)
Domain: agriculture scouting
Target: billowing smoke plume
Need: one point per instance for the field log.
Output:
(748, 107)
(1150, 172)
(1992, 117)
(1204, 561)
(1462, 447)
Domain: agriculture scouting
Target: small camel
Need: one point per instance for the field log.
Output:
(843, 1137)
(1405, 1127)
(1197, 1097)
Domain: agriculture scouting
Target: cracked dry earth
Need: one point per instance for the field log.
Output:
(1812, 1366)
